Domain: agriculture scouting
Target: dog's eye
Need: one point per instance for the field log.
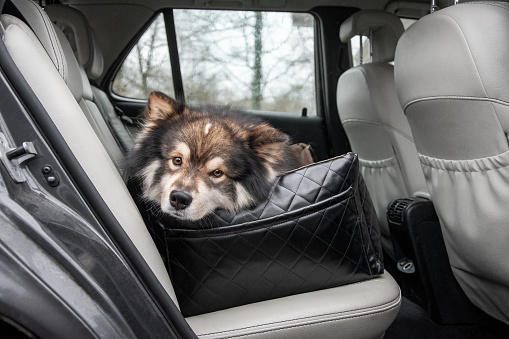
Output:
(177, 161)
(217, 173)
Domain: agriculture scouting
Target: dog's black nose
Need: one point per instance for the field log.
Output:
(180, 200)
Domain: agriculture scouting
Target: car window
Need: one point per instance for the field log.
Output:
(147, 67)
(408, 22)
(357, 42)
(255, 60)
(359, 49)
(252, 60)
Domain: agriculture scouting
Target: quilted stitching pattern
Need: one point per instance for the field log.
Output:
(316, 230)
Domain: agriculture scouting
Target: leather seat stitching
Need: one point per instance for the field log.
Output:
(315, 323)
(442, 164)
(403, 134)
(59, 58)
(381, 163)
(493, 4)
(457, 97)
(315, 316)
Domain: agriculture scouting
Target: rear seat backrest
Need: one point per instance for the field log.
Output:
(59, 52)
(45, 73)
(84, 96)
(97, 121)
(86, 49)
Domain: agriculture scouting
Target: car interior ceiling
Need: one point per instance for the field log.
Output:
(432, 303)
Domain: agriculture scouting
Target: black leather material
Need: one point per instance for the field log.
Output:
(317, 230)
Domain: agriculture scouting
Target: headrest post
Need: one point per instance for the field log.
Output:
(361, 52)
(434, 6)
(383, 29)
(370, 44)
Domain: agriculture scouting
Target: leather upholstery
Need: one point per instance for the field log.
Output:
(365, 308)
(379, 132)
(98, 123)
(452, 78)
(82, 92)
(121, 131)
(112, 131)
(39, 22)
(316, 230)
(81, 37)
(350, 311)
(384, 28)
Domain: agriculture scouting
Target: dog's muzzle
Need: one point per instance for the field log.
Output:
(180, 200)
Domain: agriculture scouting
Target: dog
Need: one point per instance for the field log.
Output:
(193, 160)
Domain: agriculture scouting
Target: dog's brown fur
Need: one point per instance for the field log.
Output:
(193, 160)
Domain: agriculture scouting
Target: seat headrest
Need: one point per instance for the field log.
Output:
(386, 29)
(81, 37)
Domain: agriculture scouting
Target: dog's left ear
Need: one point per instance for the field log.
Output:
(268, 142)
(162, 107)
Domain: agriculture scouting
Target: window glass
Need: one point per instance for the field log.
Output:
(147, 67)
(408, 22)
(355, 45)
(359, 55)
(253, 60)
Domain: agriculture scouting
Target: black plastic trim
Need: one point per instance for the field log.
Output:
(171, 36)
(417, 236)
(330, 21)
(92, 196)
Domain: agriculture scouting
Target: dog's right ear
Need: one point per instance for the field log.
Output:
(269, 143)
(162, 107)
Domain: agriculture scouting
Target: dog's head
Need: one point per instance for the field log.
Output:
(195, 160)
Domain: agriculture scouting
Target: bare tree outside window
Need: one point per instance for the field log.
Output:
(252, 60)
(147, 67)
(256, 83)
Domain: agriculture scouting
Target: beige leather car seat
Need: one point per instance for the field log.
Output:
(360, 310)
(88, 53)
(373, 119)
(452, 77)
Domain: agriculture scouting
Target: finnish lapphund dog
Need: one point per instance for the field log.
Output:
(194, 160)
